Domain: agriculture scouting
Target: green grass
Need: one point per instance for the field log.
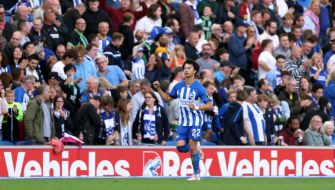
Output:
(170, 184)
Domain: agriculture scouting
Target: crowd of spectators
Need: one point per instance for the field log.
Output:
(86, 68)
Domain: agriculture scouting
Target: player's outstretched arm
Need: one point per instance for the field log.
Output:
(207, 106)
(164, 95)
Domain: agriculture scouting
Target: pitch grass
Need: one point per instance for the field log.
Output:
(170, 184)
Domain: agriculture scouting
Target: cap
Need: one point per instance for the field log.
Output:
(54, 75)
(168, 30)
(225, 63)
(240, 23)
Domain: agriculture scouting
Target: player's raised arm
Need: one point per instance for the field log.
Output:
(164, 95)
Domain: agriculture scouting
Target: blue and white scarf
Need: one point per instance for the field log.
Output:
(149, 121)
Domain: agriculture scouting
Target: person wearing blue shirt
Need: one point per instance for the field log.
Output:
(193, 102)
(84, 68)
(318, 72)
(112, 73)
(21, 92)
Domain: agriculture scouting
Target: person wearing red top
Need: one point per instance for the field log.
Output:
(117, 14)
(291, 134)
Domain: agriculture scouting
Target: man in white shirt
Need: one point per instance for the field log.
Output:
(68, 58)
(270, 33)
(266, 61)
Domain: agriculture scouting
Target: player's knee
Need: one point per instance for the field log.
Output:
(184, 148)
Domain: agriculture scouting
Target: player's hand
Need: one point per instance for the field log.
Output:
(191, 106)
(157, 85)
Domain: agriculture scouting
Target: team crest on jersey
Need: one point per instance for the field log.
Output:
(192, 95)
(152, 164)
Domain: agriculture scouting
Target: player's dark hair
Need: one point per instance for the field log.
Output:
(191, 62)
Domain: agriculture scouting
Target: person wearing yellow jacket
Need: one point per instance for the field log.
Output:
(10, 127)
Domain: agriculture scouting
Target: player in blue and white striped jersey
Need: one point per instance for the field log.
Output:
(193, 102)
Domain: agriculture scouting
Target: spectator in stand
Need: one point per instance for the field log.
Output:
(70, 88)
(104, 38)
(112, 73)
(318, 72)
(253, 120)
(95, 15)
(23, 92)
(286, 28)
(134, 87)
(226, 11)
(151, 125)
(126, 123)
(34, 70)
(305, 86)
(270, 33)
(264, 5)
(13, 43)
(296, 65)
(128, 42)
(4, 64)
(12, 115)
(112, 51)
(280, 110)
(264, 87)
(313, 135)
(108, 132)
(322, 110)
(18, 61)
(291, 134)
(328, 130)
(205, 61)
(291, 96)
(238, 47)
(311, 17)
(153, 18)
(138, 99)
(84, 68)
(68, 58)
(117, 13)
(24, 27)
(60, 51)
(263, 103)
(18, 76)
(188, 18)
(88, 119)
(231, 119)
(174, 25)
(153, 69)
(6, 27)
(38, 120)
(77, 36)
(330, 83)
(92, 89)
(53, 30)
(62, 119)
(71, 15)
(274, 76)
(92, 54)
(190, 46)
(266, 61)
(331, 37)
(165, 56)
(138, 64)
(284, 47)
(326, 21)
(36, 34)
